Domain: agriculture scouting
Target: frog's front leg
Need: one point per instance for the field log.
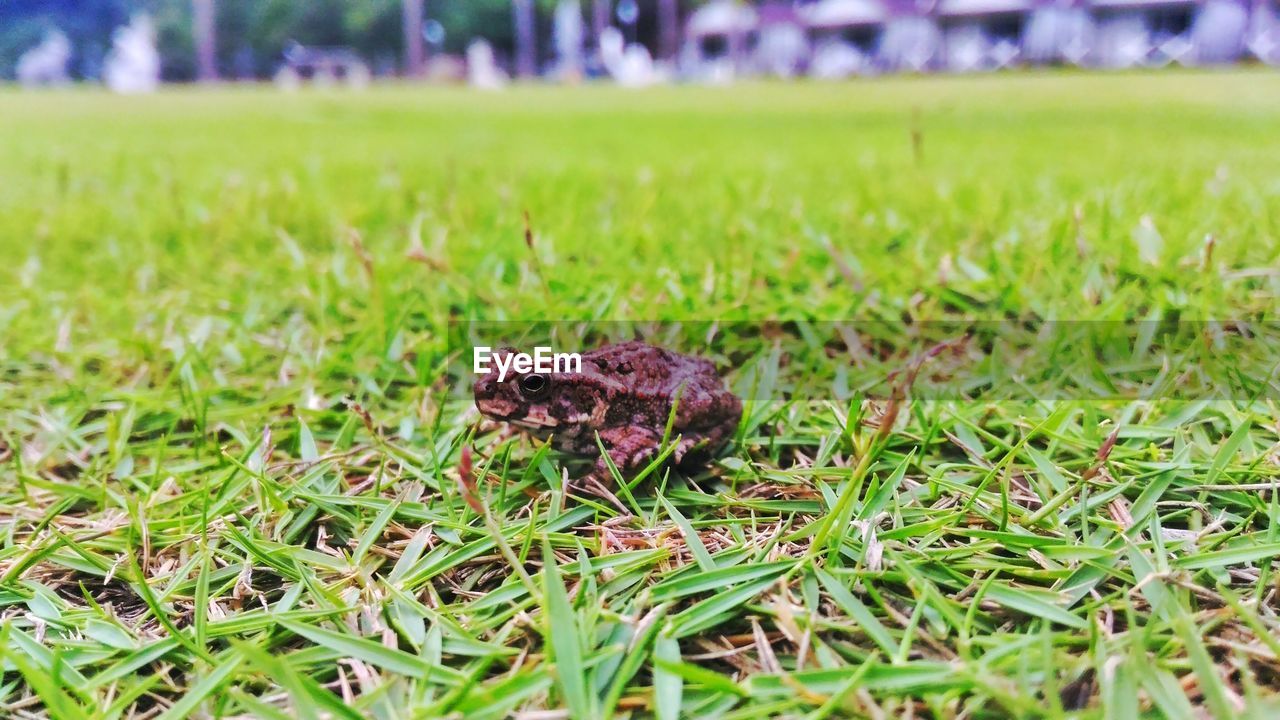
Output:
(628, 447)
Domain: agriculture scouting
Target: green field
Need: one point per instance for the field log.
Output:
(232, 472)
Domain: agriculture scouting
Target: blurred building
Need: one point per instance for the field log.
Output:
(634, 42)
(841, 38)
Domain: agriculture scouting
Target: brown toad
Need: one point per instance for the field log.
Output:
(624, 393)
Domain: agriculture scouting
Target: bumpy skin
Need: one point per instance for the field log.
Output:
(624, 393)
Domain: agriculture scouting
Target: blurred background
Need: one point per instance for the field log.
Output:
(228, 314)
(133, 45)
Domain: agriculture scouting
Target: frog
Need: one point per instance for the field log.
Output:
(622, 393)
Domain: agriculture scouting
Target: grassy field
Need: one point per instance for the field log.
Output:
(234, 480)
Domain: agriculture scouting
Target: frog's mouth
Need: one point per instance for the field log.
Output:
(539, 432)
(534, 420)
(536, 423)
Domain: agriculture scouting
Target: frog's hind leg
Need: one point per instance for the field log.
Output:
(690, 451)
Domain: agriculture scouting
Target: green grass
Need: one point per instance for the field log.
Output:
(235, 482)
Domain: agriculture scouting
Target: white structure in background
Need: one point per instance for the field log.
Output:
(1058, 34)
(1123, 40)
(982, 34)
(834, 59)
(1148, 32)
(46, 63)
(1173, 48)
(725, 38)
(967, 48)
(1219, 31)
(133, 66)
(782, 44)
(323, 66)
(287, 79)
(847, 35)
(628, 65)
(782, 50)
(835, 14)
(567, 32)
(716, 40)
(482, 70)
(911, 39)
(359, 76)
(1263, 39)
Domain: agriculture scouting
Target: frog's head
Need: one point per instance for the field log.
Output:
(566, 404)
(538, 402)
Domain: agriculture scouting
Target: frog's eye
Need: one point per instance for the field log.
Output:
(533, 385)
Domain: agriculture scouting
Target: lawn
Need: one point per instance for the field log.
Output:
(240, 474)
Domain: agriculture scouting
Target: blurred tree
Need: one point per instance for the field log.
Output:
(253, 34)
(524, 19)
(467, 19)
(668, 29)
(375, 28)
(411, 19)
(601, 18)
(250, 36)
(17, 35)
(203, 29)
(87, 23)
(177, 46)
